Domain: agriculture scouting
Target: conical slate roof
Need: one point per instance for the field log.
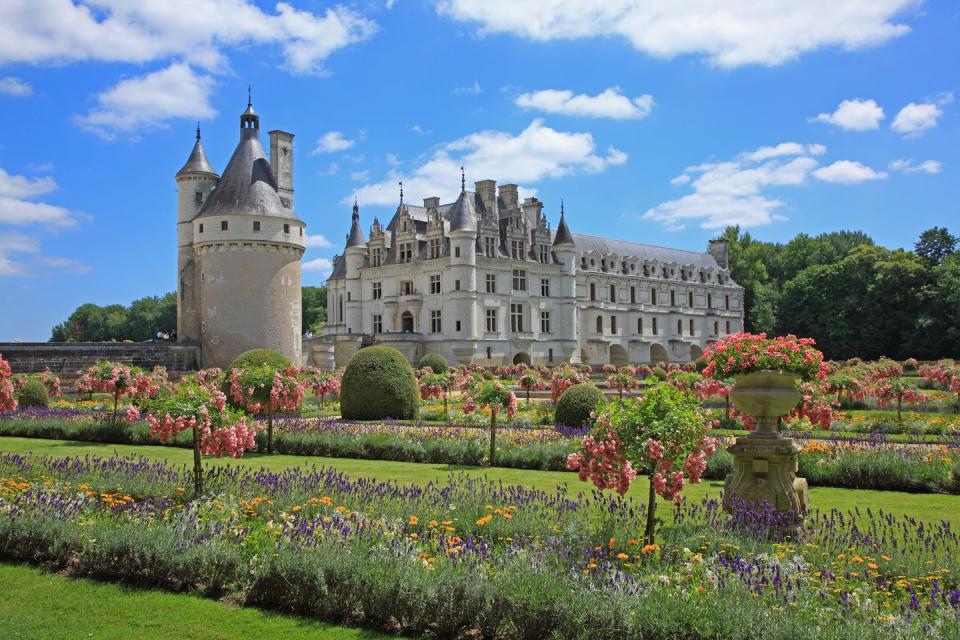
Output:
(247, 186)
(563, 235)
(356, 239)
(463, 214)
(197, 162)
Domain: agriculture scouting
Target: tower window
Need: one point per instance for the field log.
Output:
(726, 302)
(654, 321)
(593, 291)
(198, 197)
(599, 324)
(256, 225)
(549, 355)
(691, 326)
(673, 298)
(456, 252)
(690, 299)
(458, 325)
(224, 225)
(301, 232)
(639, 326)
(286, 228)
(653, 297)
(633, 294)
(613, 293)
(613, 325)
(201, 227)
(456, 285)
(709, 301)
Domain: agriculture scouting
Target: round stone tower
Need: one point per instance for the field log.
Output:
(247, 245)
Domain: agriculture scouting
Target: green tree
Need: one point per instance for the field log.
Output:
(314, 308)
(935, 244)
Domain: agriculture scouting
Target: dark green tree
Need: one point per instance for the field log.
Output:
(935, 244)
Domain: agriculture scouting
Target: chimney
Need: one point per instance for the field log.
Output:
(508, 193)
(281, 162)
(719, 248)
(487, 190)
(432, 202)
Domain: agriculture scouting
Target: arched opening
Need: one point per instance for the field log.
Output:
(695, 352)
(619, 356)
(406, 322)
(522, 358)
(658, 353)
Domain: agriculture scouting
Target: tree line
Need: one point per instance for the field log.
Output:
(855, 298)
(143, 319)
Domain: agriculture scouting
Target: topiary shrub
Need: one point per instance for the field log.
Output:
(379, 383)
(576, 404)
(435, 361)
(33, 394)
(660, 373)
(259, 358)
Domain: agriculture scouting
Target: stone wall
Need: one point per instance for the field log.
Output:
(65, 358)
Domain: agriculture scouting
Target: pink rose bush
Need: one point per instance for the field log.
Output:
(562, 378)
(746, 352)
(267, 390)
(8, 400)
(493, 395)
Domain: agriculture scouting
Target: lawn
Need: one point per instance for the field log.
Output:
(928, 507)
(35, 604)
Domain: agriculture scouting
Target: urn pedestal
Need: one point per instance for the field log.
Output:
(765, 462)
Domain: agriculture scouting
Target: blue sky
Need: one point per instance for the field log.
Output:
(655, 122)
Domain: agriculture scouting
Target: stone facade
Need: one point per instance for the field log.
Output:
(486, 280)
(240, 245)
(66, 358)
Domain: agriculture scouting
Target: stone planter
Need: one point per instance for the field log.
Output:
(765, 462)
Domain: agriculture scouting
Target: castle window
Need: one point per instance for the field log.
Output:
(545, 288)
(654, 321)
(726, 301)
(653, 297)
(519, 280)
(583, 262)
(489, 353)
(550, 355)
(377, 323)
(301, 232)
(407, 287)
(491, 319)
(256, 225)
(593, 291)
(377, 290)
(639, 326)
(673, 298)
(633, 295)
(544, 322)
(456, 285)
(348, 296)
(716, 327)
(599, 324)
(435, 326)
(613, 325)
(286, 228)
(690, 299)
(544, 254)
(435, 284)
(377, 257)
(406, 251)
(516, 318)
(458, 325)
(456, 252)
(490, 247)
(691, 326)
(201, 227)
(491, 280)
(728, 328)
(198, 197)
(435, 251)
(679, 327)
(517, 251)
(224, 225)
(613, 293)
(709, 301)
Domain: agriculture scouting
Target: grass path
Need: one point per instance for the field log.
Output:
(928, 507)
(36, 605)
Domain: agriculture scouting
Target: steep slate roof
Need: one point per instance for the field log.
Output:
(563, 233)
(463, 213)
(247, 186)
(356, 239)
(602, 246)
(197, 162)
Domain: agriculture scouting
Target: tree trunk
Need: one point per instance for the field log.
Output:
(651, 514)
(726, 408)
(528, 396)
(116, 400)
(197, 467)
(493, 437)
(899, 408)
(445, 392)
(269, 429)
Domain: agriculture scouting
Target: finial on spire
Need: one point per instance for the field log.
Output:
(463, 180)
(561, 206)
(198, 131)
(401, 192)
(356, 209)
(249, 96)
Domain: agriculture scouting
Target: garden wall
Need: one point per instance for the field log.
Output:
(65, 358)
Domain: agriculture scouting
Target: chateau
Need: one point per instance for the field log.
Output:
(486, 280)
(239, 250)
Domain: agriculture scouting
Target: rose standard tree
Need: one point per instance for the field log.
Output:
(267, 389)
(8, 400)
(663, 433)
(490, 394)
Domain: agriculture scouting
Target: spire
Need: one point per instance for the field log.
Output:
(249, 118)
(197, 162)
(356, 209)
(198, 131)
(563, 237)
(463, 180)
(401, 193)
(249, 98)
(355, 238)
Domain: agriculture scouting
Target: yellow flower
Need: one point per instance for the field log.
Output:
(622, 556)
(484, 520)
(413, 521)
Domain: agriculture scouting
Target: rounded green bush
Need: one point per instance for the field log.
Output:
(379, 383)
(33, 394)
(660, 373)
(435, 361)
(700, 363)
(259, 358)
(576, 404)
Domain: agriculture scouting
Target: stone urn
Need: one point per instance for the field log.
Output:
(765, 462)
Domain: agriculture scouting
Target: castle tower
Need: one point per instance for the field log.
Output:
(248, 246)
(355, 256)
(463, 260)
(195, 181)
(565, 250)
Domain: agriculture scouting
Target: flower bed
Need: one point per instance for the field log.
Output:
(479, 558)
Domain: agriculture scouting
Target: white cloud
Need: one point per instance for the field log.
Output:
(15, 243)
(317, 242)
(608, 104)
(331, 170)
(418, 129)
(535, 153)
(848, 172)
(332, 142)
(70, 265)
(904, 165)
(149, 30)
(360, 176)
(148, 101)
(915, 118)
(729, 34)
(323, 266)
(472, 89)
(16, 207)
(12, 86)
(22, 187)
(854, 115)
(732, 192)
